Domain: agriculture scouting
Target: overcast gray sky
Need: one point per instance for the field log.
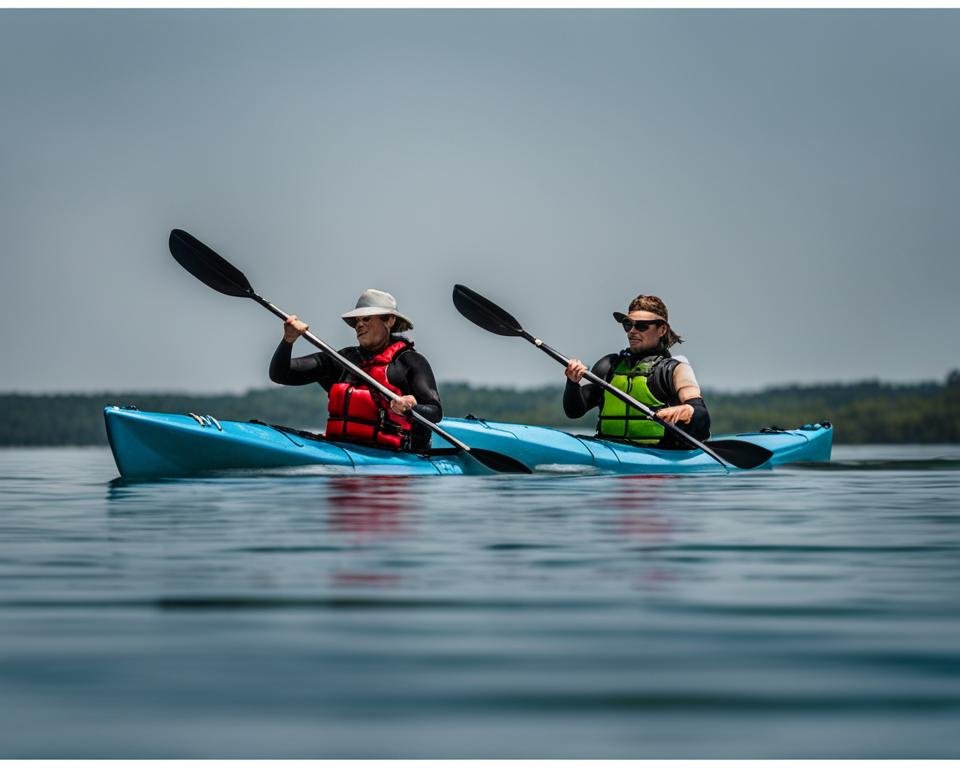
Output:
(787, 181)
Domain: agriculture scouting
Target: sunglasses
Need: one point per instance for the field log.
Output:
(354, 321)
(640, 325)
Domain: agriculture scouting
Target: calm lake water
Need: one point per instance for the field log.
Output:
(799, 613)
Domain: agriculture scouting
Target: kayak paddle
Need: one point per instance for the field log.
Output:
(483, 312)
(211, 268)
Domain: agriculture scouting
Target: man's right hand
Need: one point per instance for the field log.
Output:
(575, 370)
(293, 328)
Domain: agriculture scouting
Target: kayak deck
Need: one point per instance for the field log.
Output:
(544, 449)
(153, 445)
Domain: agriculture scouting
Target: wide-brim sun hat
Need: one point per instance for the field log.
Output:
(373, 302)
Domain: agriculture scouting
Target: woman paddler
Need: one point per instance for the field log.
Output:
(355, 412)
(648, 372)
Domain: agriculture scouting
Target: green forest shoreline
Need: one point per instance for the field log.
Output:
(861, 412)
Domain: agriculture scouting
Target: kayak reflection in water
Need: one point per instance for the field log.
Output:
(646, 371)
(355, 412)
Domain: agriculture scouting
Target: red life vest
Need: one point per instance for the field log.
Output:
(359, 414)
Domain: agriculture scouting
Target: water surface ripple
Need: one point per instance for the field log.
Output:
(807, 612)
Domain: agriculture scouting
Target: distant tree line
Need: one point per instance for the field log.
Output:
(862, 412)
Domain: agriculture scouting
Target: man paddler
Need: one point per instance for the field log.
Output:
(356, 412)
(647, 371)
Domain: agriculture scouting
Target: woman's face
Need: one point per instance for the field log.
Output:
(644, 331)
(373, 332)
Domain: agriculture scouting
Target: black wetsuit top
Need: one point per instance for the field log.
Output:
(409, 372)
(578, 399)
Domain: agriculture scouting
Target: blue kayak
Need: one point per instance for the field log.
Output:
(149, 445)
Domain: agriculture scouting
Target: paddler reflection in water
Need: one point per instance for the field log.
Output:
(356, 412)
(647, 372)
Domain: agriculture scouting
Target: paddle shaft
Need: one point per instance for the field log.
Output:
(633, 402)
(321, 344)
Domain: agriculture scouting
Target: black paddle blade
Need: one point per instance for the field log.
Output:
(483, 312)
(207, 265)
(500, 462)
(740, 453)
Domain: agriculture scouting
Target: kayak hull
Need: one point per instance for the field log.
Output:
(153, 445)
(172, 445)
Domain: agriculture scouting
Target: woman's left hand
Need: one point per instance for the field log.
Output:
(404, 403)
(676, 414)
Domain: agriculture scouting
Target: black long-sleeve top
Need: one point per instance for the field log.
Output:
(409, 372)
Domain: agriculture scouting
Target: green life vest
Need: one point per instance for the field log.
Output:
(624, 422)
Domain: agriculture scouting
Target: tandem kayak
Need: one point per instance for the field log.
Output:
(154, 445)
